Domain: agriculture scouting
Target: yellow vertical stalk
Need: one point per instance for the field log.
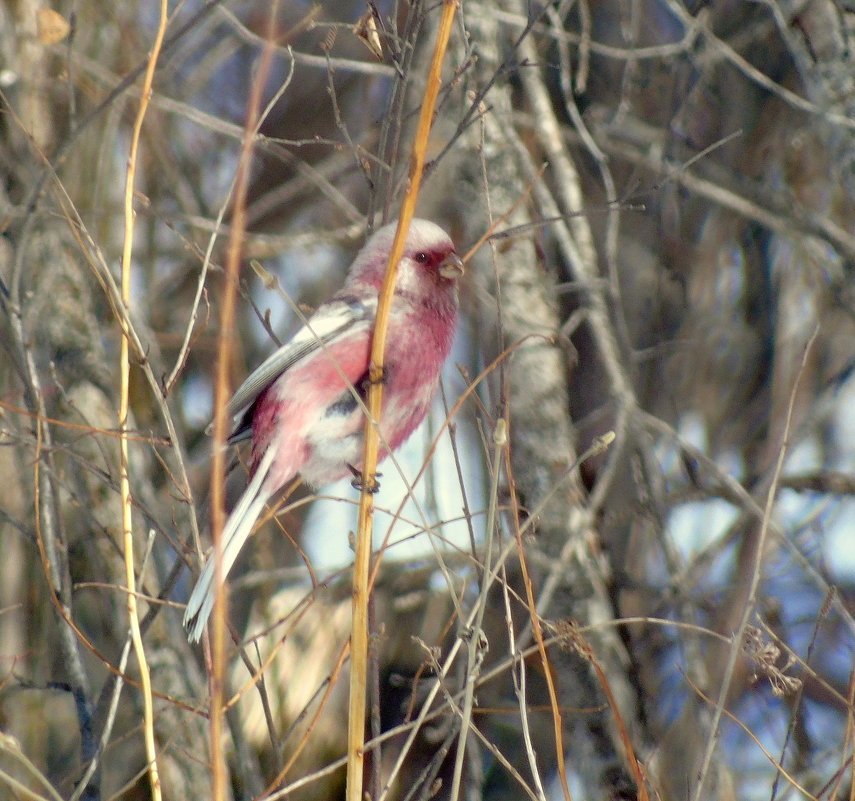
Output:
(217, 626)
(362, 559)
(124, 372)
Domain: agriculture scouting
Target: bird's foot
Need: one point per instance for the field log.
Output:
(371, 484)
(379, 377)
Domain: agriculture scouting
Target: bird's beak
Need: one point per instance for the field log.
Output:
(451, 266)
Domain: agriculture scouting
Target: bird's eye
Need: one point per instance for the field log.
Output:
(422, 258)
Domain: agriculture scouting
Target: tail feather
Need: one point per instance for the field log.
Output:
(235, 533)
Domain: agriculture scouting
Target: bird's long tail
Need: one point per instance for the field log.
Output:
(235, 533)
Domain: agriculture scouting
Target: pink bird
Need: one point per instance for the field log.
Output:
(301, 406)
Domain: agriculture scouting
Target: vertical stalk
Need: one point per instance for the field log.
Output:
(362, 559)
(124, 408)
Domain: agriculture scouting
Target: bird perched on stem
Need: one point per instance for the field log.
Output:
(302, 407)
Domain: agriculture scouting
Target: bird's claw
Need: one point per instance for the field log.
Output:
(372, 485)
(377, 379)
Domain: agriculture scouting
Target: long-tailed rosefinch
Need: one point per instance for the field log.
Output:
(301, 406)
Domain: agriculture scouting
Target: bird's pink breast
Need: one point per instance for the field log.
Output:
(420, 338)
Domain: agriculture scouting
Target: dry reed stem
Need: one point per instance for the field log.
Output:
(217, 627)
(362, 559)
(124, 407)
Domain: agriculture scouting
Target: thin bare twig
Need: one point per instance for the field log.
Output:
(751, 600)
(474, 634)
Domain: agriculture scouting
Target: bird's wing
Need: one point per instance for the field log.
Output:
(341, 316)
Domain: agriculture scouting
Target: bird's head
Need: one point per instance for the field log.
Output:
(429, 258)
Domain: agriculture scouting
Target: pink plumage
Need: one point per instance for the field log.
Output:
(300, 406)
